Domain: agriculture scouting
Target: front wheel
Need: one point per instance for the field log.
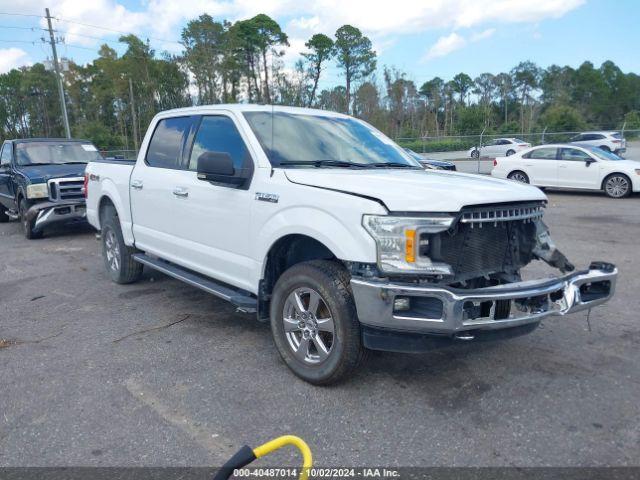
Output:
(518, 176)
(314, 322)
(475, 154)
(28, 226)
(617, 186)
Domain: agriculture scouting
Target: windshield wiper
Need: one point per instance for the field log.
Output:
(324, 163)
(393, 165)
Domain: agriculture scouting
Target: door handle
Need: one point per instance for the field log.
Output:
(137, 184)
(180, 192)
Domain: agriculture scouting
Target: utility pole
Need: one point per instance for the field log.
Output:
(63, 104)
(133, 117)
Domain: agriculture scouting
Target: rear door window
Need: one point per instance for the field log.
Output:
(543, 154)
(167, 143)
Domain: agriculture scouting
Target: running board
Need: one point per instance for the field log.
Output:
(242, 300)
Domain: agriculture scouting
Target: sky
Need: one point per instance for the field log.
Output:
(421, 38)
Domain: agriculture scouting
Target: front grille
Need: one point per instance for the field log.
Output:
(487, 240)
(61, 189)
(502, 213)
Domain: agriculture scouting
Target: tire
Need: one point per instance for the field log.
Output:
(510, 152)
(118, 257)
(475, 154)
(328, 283)
(617, 185)
(605, 148)
(518, 176)
(4, 218)
(28, 225)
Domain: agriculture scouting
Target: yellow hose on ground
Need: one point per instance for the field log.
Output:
(280, 442)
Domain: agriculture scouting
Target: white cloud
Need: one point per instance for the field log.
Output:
(379, 19)
(445, 45)
(11, 58)
(476, 37)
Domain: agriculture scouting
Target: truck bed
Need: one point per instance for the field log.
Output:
(110, 178)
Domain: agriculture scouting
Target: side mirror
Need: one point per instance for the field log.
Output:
(589, 161)
(218, 167)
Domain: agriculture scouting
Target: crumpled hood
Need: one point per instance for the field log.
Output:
(418, 190)
(43, 173)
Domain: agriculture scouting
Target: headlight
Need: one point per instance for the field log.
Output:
(398, 242)
(38, 190)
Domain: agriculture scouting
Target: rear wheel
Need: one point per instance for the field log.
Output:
(475, 154)
(518, 176)
(617, 186)
(28, 225)
(118, 257)
(510, 152)
(314, 322)
(605, 148)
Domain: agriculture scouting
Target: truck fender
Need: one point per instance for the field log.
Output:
(110, 191)
(345, 243)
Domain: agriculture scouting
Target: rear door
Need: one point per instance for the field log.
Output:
(541, 166)
(153, 204)
(6, 181)
(577, 169)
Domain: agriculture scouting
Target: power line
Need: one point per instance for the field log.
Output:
(115, 31)
(21, 15)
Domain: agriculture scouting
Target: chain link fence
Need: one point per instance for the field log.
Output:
(460, 143)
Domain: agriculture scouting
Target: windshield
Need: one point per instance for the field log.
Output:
(604, 155)
(46, 153)
(293, 140)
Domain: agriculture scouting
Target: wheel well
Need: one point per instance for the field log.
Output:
(283, 254)
(517, 171)
(102, 206)
(616, 173)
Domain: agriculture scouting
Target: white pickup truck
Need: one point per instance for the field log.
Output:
(321, 225)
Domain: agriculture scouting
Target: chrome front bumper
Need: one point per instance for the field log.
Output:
(448, 311)
(49, 213)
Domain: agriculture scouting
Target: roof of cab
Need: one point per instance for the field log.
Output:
(251, 107)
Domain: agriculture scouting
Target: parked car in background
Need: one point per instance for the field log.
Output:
(500, 147)
(41, 182)
(608, 141)
(328, 230)
(571, 166)
(430, 163)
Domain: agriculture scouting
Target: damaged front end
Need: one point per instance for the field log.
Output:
(484, 249)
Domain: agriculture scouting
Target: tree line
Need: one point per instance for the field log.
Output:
(225, 62)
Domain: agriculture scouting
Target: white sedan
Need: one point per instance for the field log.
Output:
(500, 147)
(570, 166)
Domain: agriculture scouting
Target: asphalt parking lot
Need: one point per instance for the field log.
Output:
(161, 374)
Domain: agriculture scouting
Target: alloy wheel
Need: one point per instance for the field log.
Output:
(519, 177)
(112, 250)
(617, 187)
(308, 325)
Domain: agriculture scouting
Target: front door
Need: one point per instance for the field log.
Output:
(577, 169)
(213, 220)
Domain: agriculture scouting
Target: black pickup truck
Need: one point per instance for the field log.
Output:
(42, 180)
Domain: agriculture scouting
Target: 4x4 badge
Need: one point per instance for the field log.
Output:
(267, 197)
